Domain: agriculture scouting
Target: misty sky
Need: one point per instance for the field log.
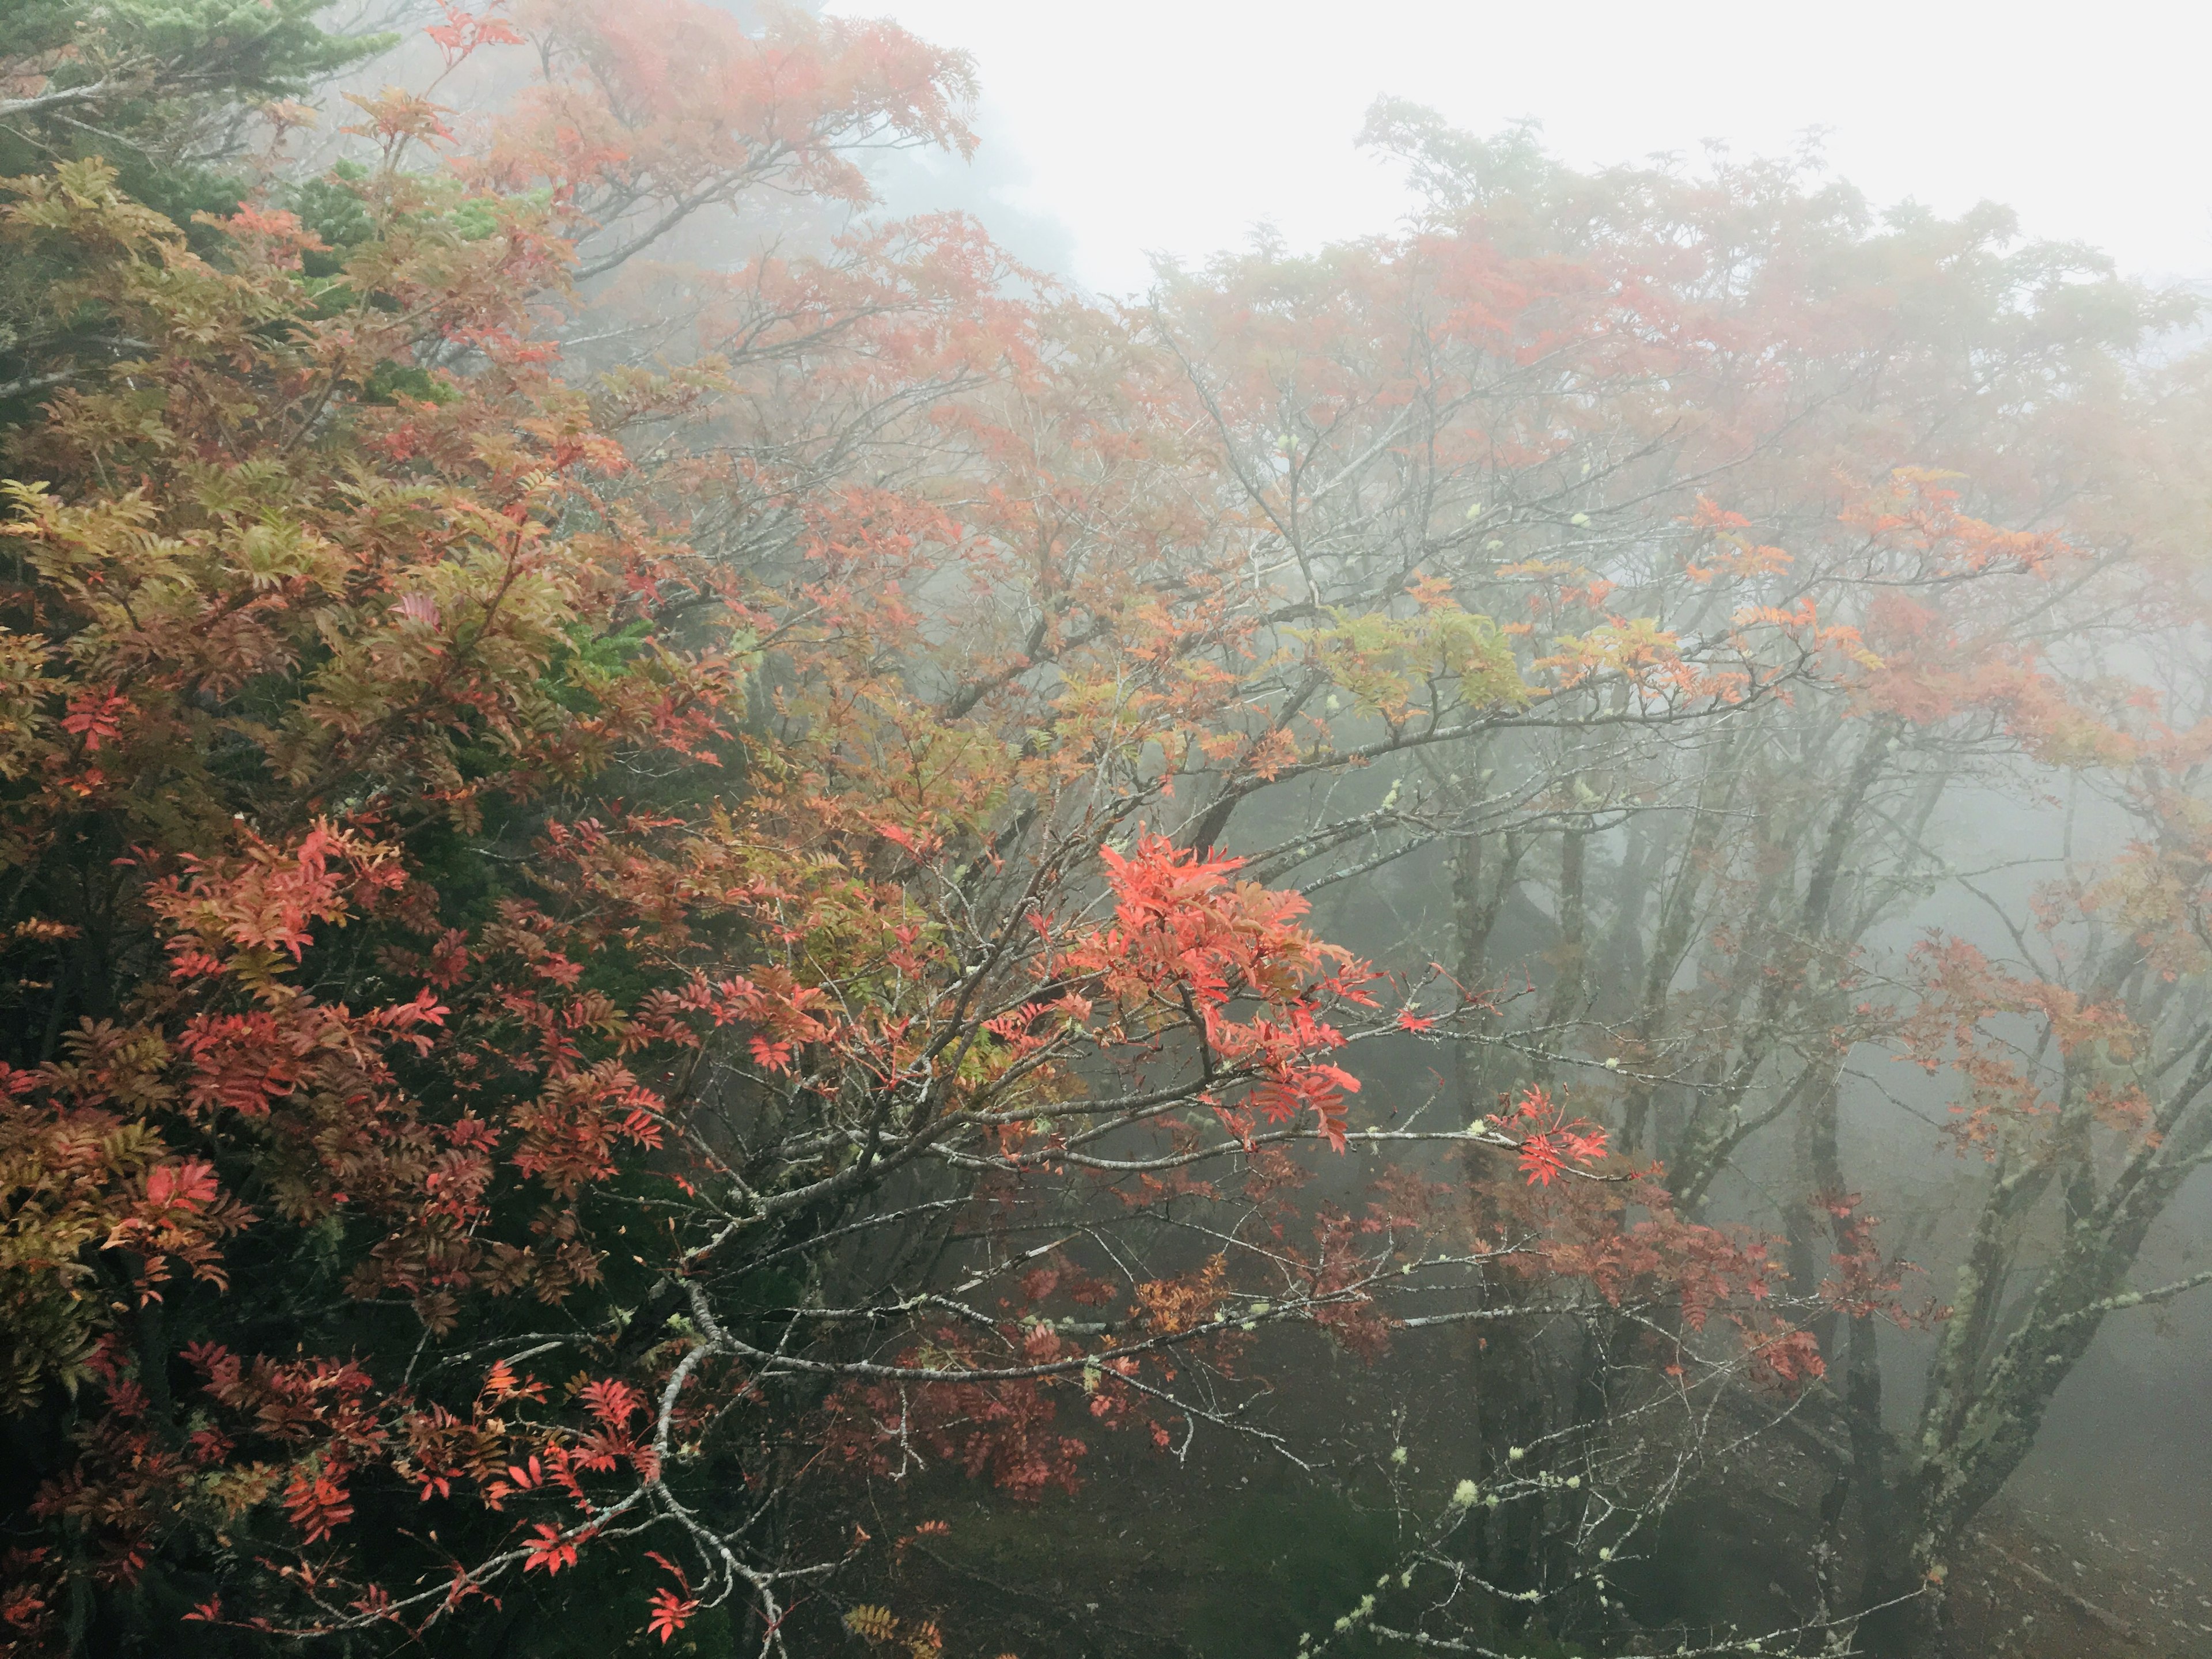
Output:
(1174, 125)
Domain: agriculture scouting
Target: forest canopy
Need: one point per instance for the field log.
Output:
(728, 926)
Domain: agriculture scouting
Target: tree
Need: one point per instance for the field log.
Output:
(170, 95)
(1989, 675)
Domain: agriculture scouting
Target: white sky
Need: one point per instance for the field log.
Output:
(1175, 125)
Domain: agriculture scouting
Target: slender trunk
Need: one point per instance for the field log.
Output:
(1478, 890)
(1786, 986)
(1574, 916)
(1813, 1223)
(1470, 935)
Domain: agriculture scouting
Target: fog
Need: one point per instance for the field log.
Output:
(1167, 833)
(1171, 129)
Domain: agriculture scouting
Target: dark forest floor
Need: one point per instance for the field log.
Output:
(1231, 1557)
(1244, 1574)
(2037, 1586)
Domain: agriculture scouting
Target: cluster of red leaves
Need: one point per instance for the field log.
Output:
(91, 1175)
(1189, 943)
(675, 99)
(1705, 1275)
(1007, 1431)
(1550, 1141)
(1956, 1023)
(301, 1435)
(1865, 1283)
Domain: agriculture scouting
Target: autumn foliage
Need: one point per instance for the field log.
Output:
(605, 951)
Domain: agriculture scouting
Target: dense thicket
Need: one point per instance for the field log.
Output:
(678, 862)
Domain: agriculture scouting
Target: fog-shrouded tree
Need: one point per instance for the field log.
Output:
(680, 863)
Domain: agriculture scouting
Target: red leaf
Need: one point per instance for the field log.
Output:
(669, 1613)
(551, 1551)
